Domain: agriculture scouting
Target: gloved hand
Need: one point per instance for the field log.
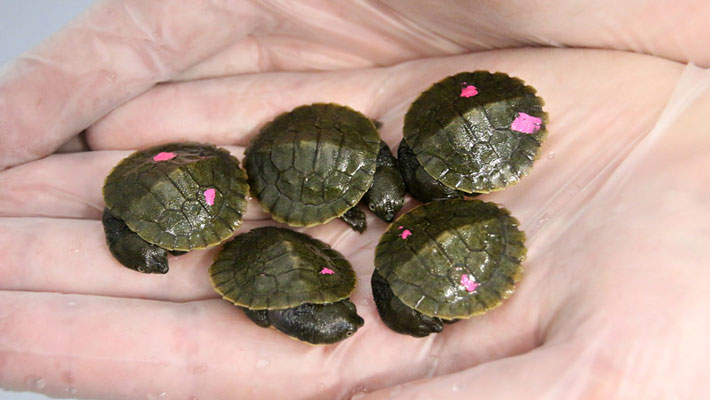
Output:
(613, 300)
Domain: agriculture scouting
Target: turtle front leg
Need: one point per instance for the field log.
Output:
(355, 218)
(397, 316)
(130, 250)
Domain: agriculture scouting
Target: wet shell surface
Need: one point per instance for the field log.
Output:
(477, 132)
(179, 196)
(312, 164)
(452, 258)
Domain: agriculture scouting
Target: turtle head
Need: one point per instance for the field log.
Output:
(343, 322)
(385, 207)
(318, 323)
(386, 196)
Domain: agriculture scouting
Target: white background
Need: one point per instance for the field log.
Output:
(23, 24)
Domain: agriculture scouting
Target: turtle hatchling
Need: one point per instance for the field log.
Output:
(316, 162)
(288, 280)
(473, 132)
(172, 198)
(443, 261)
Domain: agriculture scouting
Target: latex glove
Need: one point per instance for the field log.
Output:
(612, 304)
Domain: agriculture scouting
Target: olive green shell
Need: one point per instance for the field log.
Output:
(164, 202)
(276, 268)
(467, 143)
(449, 239)
(312, 164)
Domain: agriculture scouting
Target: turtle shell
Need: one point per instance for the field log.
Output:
(452, 258)
(477, 131)
(276, 268)
(312, 164)
(179, 196)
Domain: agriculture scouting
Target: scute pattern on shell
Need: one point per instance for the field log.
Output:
(450, 238)
(277, 268)
(312, 164)
(467, 143)
(164, 202)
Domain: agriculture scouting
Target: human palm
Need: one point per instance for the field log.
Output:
(611, 303)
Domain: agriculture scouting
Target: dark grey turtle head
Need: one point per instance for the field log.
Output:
(386, 196)
(339, 321)
(385, 202)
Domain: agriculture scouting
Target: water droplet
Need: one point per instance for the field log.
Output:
(159, 396)
(70, 390)
(544, 219)
(198, 369)
(75, 250)
(71, 303)
(551, 155)
(35, 382)
(456, 388)
(262, 364)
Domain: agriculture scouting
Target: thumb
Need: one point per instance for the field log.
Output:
(114, 51)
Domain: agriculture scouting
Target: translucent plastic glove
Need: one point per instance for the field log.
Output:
(613, 301)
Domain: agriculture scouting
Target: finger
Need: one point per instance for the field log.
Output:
(114, 51)
(228, 111)
(69, 186)
(605, 24)
(71, 256)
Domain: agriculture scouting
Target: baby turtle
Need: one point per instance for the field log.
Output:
(316, 162)
(443, 261)
(171, 198)
(475, 132)
(290, 281)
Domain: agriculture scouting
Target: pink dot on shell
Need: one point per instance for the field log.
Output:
(210, 194)
(469, 91)
(326, 271)
(469, 283)
(405, 234)
(164, 156)
(400, 227)
(525, 123)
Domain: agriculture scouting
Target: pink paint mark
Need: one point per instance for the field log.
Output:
(526, 123)
(405, 234)
(164, 156)
(326, 271)
(469, 91)
(210, 195)
(469, 282)
(400, 227)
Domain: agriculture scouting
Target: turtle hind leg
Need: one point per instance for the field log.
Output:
(130, 250)
(355, 218)
(397, 316)
(318, 323)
